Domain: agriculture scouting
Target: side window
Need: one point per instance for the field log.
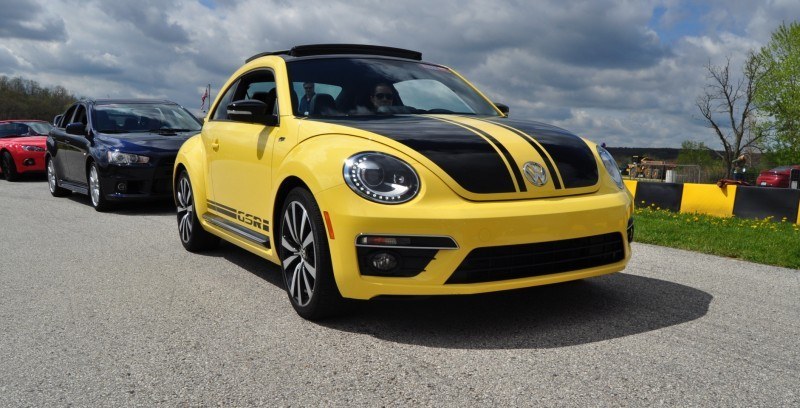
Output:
(80, 115)
(67, 118)
(221, 111)
(259, 85)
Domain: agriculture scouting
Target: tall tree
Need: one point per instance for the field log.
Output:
(727, 105)
(25, 99)
(778, 94)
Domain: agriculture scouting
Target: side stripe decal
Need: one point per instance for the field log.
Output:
(222, 209)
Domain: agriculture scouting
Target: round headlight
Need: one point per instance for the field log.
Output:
(381, 178)
(611, 166)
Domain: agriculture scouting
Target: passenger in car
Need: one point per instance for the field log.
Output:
(304, 107)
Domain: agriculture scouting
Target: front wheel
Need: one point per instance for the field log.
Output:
(305, 258)
(193, 237)
(52, 181)
(96, 193)
(9, 169)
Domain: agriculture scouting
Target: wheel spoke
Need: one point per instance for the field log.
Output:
(289, 260)
(312, 270)
(288, 245)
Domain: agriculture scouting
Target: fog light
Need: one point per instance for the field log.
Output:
(383, 261)
(122, 186)
(28, 162)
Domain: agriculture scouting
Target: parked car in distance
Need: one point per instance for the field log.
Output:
(117, 150)
(777, 177)
(22, 147)
(399, 178)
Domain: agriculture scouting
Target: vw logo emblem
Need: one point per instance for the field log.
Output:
(534, 172)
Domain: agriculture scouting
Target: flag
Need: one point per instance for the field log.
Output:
(203, 99)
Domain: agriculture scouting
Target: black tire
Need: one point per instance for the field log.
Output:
(306, 260)
(96, 193)
(9, 169)
(52, 180)
(193, 237)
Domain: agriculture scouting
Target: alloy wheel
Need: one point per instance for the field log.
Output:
(185, 209)
(94, 186)
(51, 176)
(298, 253)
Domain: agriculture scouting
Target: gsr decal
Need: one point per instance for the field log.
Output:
(239, 215)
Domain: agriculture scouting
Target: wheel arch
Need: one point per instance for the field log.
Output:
(191, 158)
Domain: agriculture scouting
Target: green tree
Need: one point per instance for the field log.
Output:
(778, 94)
(695, 153)
(25, 99)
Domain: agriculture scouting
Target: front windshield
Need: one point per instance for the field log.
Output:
(39, 128)
(143, 117)
(371, 86)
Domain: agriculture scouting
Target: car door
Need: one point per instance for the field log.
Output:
(239, 156)
(63, 144)
(76, 148)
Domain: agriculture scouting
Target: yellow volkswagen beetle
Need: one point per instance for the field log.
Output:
(364, 171)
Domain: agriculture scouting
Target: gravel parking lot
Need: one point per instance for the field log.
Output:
(107, 309)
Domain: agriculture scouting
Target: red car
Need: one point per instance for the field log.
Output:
(777, 177)
(22, 147)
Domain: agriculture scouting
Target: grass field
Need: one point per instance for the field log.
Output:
(767, 241)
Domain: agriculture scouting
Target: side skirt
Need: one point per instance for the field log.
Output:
(74, 187)
(242, 232)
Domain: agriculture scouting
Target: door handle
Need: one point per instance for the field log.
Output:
(215, 145)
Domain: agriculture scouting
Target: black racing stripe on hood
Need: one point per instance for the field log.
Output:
(503, 150)
(531, 141)
(571, 155)
(465, 156)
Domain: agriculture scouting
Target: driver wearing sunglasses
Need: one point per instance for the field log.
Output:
(382, 95)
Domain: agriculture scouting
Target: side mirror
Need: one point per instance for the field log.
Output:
(502, 107)
(251, 111)
(76, 128)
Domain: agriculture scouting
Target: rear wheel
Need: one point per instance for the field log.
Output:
(305, 258)
(52, 180)
(193, 237)
(96, 193)
(9, 169)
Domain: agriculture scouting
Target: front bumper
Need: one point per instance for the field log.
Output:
(476, 227)
(29, 162)
(138, 182)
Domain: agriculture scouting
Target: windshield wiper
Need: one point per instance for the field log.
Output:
(169, 130)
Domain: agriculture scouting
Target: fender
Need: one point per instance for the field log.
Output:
(192, 157)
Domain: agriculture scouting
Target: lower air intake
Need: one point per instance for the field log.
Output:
(492, 264)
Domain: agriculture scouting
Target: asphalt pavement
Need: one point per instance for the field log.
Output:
(108, 309)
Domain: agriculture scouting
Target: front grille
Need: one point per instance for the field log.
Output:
(491, 264)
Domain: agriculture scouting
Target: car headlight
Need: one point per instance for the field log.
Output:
(381, 178)
(117, 157)
(611, 166)
(32, 148)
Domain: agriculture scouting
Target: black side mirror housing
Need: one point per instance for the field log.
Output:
(76, 128)
(251, 111)
(502, 107)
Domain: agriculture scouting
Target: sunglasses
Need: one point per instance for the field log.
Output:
(308, 88)
(383, 96)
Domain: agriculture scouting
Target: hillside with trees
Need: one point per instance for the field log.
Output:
(25, 99)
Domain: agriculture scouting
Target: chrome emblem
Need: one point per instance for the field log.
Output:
(535, 173)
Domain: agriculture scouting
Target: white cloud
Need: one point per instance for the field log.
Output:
(624, 72)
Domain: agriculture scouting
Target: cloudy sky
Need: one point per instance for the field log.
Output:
(625, 72)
